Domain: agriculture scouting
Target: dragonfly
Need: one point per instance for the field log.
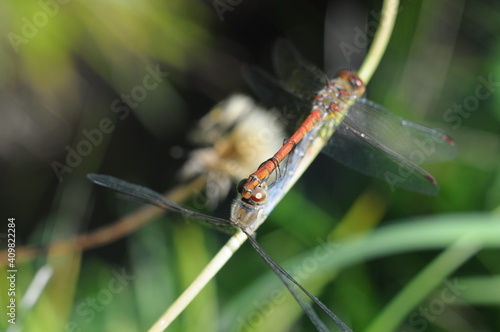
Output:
(338, 122)
(364, 135)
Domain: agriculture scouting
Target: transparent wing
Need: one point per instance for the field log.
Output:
(146, 195)
(270, 92)
(379, 143)
(294, 287)
(272, 95)
(149, 196)
(406, 138)
(296, 74)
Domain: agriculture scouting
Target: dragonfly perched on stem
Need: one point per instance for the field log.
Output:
(365, 136)
(360, 133)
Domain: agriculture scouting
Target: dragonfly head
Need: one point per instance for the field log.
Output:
(257, 196)
(356, 83)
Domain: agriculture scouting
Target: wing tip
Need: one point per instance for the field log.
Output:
(100, 179)
(430, 178)
(449, 140)
(435, 187)
(94, 177)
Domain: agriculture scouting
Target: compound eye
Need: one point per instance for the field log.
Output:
(259, 196)
(357, 82)
(354, 80)
(240, 185)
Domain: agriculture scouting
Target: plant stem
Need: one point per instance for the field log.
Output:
(380, 41)
(389, 11)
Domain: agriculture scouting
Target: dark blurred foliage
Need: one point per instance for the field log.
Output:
(67, 69)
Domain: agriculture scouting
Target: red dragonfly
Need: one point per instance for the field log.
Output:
(366, 136)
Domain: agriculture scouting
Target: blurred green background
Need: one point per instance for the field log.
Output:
(69, 68)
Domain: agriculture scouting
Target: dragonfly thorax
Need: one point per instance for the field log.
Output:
(334, 98)
(339, 92)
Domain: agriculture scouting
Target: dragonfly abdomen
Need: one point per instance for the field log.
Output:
(255, 179)
(329, 102)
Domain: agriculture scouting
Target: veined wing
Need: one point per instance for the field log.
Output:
(270, 92)
(149, 196)
(402, 136)
(379, 143)
(272, 95)
(146, 195)
(295, 288)
(296, 74)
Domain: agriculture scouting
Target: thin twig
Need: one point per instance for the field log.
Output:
(108, 234)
